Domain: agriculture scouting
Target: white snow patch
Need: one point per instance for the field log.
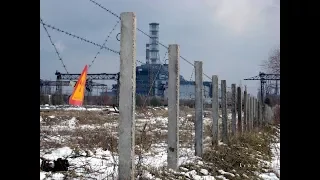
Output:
(57, 176)
(222, 177)
(268, 176)
(224, 173)
(204, 171)
(72, 123)
(208, 178)
(146, 174)
(58, 153)
(276, 157)
(42, 175)
(275, 163)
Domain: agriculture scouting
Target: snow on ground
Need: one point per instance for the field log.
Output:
(69, 108)
(101, 163)
(275, 163)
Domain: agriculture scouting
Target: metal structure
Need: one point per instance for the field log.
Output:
(264, 78)
(96, 76)
(90, 77)
(47, 85)
(67, 83)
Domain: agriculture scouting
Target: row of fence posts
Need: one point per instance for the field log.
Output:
(252, 111)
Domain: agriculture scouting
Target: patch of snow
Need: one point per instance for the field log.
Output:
(42, 175)
(275, 163)
(204, 171)
(268, 176)
(183, 169)
(57, 176)
(276, 157)
(51, 116)
(220, 143)
(58, 153)
(224, 173)
(88, 126)
(146, 174)
(72, 123)
(208, 178)
(116, 109)
(222, 177)
(111, 109)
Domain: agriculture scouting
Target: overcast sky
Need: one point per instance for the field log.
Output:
(231, 37)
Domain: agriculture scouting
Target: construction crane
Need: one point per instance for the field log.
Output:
(90, 77)
(263, 78)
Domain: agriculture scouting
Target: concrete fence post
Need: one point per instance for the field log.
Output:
(215, 110)
(233, 110)
(253, 113)
(224, 134)
(249, 113)
(239, 108)
(256, 112)
(49, 100)
(173, 106)
(198, 108)
(127, 96)
(245, 109)
(260, 113)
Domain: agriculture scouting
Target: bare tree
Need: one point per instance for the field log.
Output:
(272, 65)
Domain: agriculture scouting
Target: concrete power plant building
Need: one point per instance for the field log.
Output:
(153, 75)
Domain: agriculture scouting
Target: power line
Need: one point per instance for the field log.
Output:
(80, 38)
(114, 14)
(55, 48)
(114, 27)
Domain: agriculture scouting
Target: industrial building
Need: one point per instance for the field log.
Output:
(151, 77)
(154, 73)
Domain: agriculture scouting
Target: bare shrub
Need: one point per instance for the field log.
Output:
(242, 155)
(276, 115)
(272, 65)
(95, 138)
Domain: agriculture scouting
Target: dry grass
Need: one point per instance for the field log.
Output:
(240, 157)
(243, 158)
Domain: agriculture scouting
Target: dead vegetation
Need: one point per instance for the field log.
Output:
(243, 158)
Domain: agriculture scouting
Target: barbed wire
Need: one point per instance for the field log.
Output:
(139, 61)
(105, 41)
(191, 79)
(109, 11)
(54, 46)
(114, 14)
(78, 37)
